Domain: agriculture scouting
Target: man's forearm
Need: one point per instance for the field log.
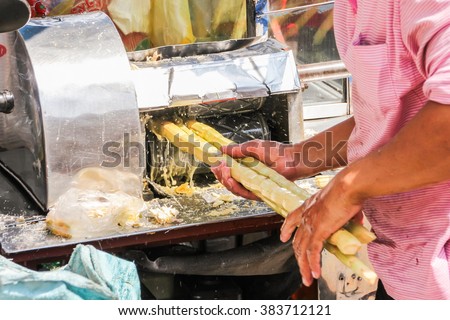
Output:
(418, 156)
(326, 150)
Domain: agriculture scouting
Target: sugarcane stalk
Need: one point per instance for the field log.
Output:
(280, 199)
(209, 154)
(360, 232)
(209, 134)
(264, 170)
(272, 205)
(354, 263)
(217, 139)
(352, 244)
(322, 180)
(268, 190)
(344, 243)
(203, 151)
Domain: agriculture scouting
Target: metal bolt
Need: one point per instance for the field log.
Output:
(6, 101)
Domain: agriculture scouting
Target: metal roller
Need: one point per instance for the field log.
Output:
(14, 14)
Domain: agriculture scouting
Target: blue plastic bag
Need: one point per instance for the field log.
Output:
(90, 275)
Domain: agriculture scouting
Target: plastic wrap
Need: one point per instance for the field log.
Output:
(131, 16)
(145, 24)
(170, 23)
(229, 18)
(99, 202)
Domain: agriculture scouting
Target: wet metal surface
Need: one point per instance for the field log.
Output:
(25, 231)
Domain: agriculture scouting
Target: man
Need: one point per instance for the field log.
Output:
(397, 148)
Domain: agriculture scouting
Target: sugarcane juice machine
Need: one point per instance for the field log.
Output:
(72, 98)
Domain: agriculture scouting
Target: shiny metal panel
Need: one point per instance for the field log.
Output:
(18, 236)
(80, 102)
(262, 69)
(21, 134)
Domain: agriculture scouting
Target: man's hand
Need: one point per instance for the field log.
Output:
(278, 156)
(315, 221)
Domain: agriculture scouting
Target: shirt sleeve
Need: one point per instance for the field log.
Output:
(425, 27)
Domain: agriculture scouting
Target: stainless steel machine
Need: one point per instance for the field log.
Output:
(79, 100)
(71, 98)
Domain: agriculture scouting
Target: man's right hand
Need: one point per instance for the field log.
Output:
(278, 156)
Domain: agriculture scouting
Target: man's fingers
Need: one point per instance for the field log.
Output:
(313, 254)
(302, 259)
(223, 174)
(221, 171)
(237, 188)
(290, 224)
(295, 219)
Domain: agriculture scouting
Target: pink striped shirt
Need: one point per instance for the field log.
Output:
(398, 52)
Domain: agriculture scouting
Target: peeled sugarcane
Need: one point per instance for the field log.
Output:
(322, 180)
(353, 235)
(262, 182)
(346, 242)
(353, 243)
(284, 200)
(218, 140)
(277, 197)
(209, 134)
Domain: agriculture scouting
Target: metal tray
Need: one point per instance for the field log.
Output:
(25, 229)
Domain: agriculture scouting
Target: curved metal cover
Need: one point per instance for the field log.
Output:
(21, 137)
(86, 98)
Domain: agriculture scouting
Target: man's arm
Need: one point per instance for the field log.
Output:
(418, 156)
(326, 150)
